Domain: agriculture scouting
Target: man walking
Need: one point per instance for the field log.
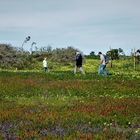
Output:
(79, 61)
(102, 66)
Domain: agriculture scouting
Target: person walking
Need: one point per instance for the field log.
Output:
(79, 61)
(102, 66)
(45, 65)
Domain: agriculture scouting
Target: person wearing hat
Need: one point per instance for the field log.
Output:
(79, 61)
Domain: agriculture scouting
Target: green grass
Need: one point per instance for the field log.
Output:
(60, 105)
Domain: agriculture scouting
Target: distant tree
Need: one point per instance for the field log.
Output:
(25, 41)
(113, 54)
(138, 51)
(32, 45)
(92, 53)
(120, 51)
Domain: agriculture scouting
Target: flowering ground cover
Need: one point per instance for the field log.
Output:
(60, 105)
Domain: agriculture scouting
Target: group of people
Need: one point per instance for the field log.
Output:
(79, 63)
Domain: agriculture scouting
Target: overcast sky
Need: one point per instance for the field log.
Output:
(90, 25)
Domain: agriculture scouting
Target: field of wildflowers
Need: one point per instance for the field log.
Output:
(60, 105)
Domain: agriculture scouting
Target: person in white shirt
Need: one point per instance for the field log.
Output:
(102, 66)
(45, 65)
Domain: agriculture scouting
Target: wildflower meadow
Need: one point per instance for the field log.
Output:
(60, 105)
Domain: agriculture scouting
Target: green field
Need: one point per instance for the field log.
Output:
(59, 105)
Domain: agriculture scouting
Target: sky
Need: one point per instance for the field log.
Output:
(89, 25)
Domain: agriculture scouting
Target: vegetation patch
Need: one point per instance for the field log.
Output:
(60, 105)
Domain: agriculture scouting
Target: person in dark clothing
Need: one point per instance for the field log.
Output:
(79, 61)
